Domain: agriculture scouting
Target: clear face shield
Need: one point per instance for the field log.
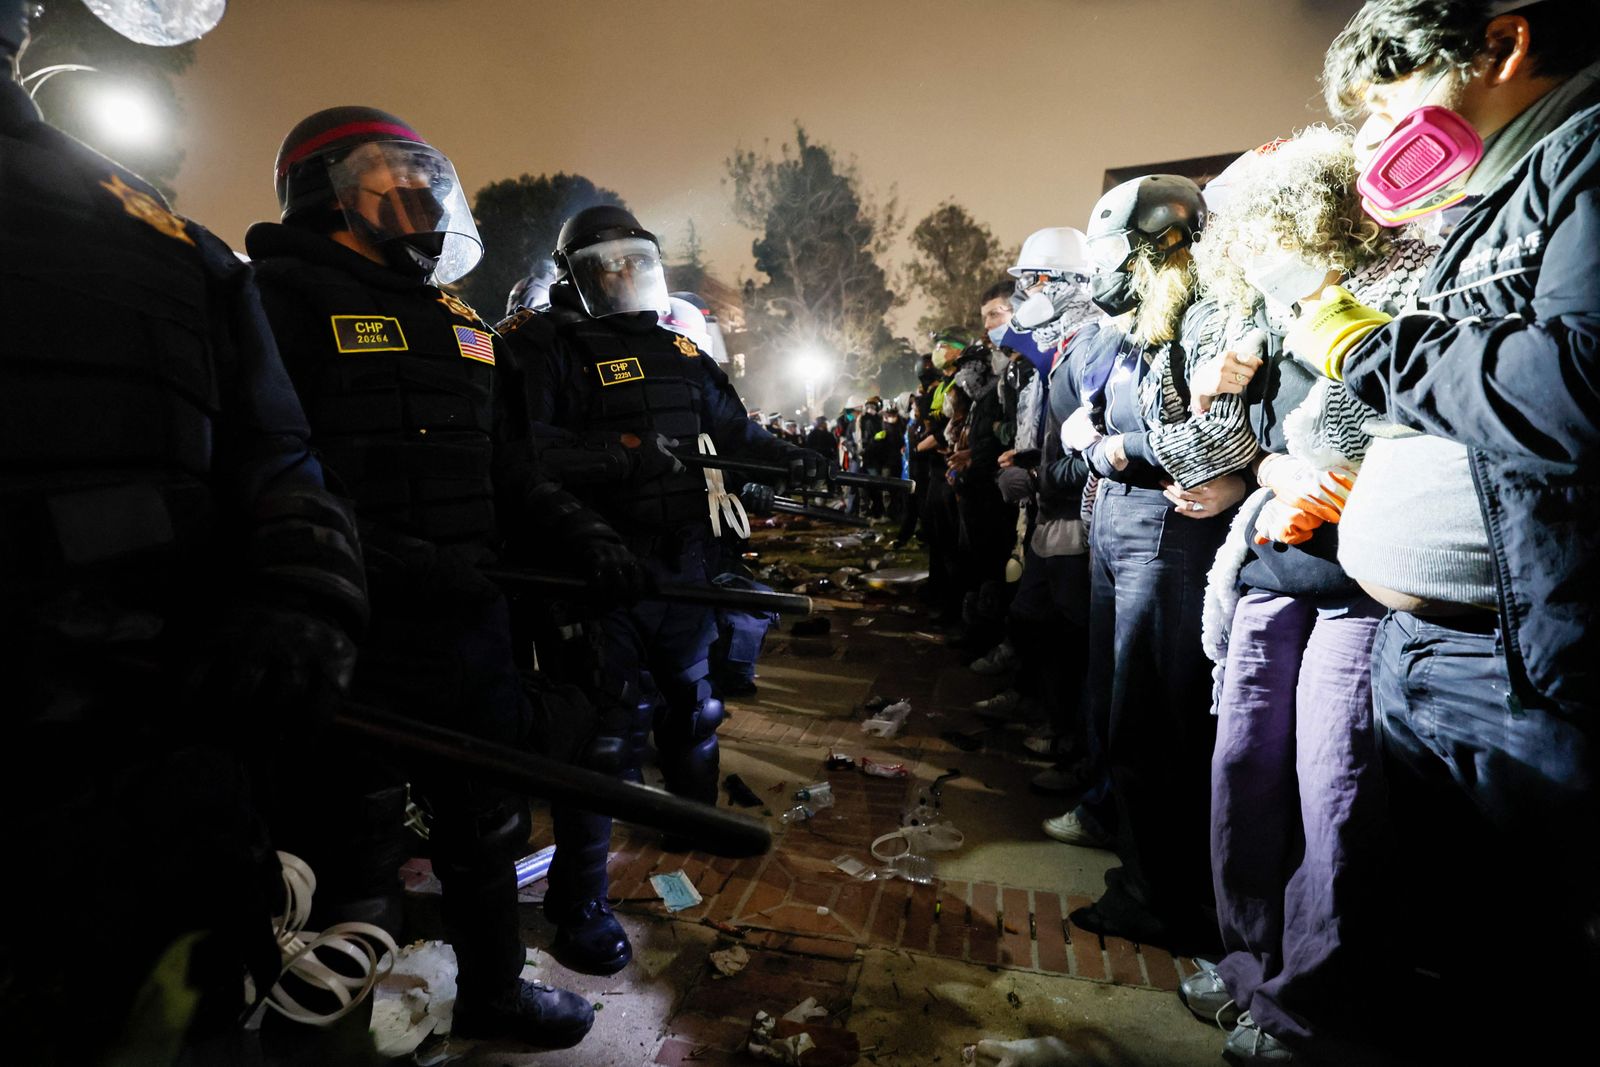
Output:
(619, 277)
(408, 193)
(159, 22)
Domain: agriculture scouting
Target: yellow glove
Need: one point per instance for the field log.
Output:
(1328, 328)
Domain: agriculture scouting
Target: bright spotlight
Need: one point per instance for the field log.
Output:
(811, 364)
(125, 115)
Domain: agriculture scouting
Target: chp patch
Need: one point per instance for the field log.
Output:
(475, 344)
(686, 346)
(617, 371)
(368, 333)
(147, 209)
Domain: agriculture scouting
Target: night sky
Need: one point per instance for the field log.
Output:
(1012, 107)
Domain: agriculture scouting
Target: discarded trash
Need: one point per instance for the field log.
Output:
(910, 867)
(917, 840)
(675, 890)
(416, 998)
(884, 577)
(876, 702)
(802, 1044)
(883, 768)
(805, 1011)
(839, 762)
(730, 961)
(740, 793)
(797, 814)
(818, 795)
(854, 868)
(1024, 1052)
(888, 721)
(815, 626)
(532, 868)
(1013, 1000)
(847, 542)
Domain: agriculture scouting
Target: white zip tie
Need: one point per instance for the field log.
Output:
(299, 946)
(723, 504)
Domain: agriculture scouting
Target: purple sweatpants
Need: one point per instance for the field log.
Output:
(1297, 812)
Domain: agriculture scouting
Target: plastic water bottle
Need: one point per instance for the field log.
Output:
(797, 814)
(819, 796)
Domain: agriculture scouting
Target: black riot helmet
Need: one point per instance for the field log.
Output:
(613, 262)
(1161, 211)
(388, 183)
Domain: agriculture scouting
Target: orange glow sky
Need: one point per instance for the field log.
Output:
(1012, 107)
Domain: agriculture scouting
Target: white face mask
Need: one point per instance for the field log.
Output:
(1284, 276)
(1035, 311)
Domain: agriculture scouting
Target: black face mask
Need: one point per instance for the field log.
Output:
(415, 255)
(1112, 292)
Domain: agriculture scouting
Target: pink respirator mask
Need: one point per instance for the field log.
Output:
(1420, 167)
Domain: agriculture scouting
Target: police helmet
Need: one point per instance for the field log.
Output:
(1165, 212)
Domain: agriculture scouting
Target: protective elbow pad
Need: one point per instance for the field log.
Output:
(304, 553)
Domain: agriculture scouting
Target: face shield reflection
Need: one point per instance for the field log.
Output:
(1109, 252)
(619, 277)
(404, 191)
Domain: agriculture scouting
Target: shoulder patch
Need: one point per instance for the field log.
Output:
(686, 346)
(368, 333)
(147, 209)
(511, 322)
(459, 307)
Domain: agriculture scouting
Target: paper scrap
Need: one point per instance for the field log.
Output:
(675, 890)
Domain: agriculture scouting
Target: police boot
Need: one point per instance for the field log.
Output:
(477, 875)
(589, 939)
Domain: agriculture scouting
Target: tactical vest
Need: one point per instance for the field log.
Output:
(400, 401)
(108, 384)
(642, 383)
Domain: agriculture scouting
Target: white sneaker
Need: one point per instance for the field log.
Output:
(998, 660)
(1040, 744)
(1068, 828)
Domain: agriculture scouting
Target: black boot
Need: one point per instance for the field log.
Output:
(589, 939)
(530, 1012)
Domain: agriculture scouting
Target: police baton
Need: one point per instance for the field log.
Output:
(714, 830)
(561, 586)
(778, 470)
(790, 506)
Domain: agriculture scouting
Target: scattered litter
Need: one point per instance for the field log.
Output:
(802, 1044)
(894, 576)
(805, 1011)
(822, 909)
(883, 768)
(415, 999)
(740, 793)
(676, 890)
(816, 626)
(873, 564)
(839, 762)
(854, 868)
(876, 702)
(722, 927)
(1013, 1000)
(730, 961)
(1024, 1052)
(797, 814)
(888, 721)
(532, 868)
(817, 796)
(847, 542)
(866, 620)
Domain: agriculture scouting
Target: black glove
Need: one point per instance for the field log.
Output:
(653, 456)
(412, 575)
(806, 466)
(276, 671)
(757, 498)
(615, 574)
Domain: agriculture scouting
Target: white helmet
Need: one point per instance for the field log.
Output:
(684, 318)
(854, 401)
(1055, 250)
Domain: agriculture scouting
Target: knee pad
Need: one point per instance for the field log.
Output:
(675, 727)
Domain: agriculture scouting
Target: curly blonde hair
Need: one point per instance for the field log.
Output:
(1301, 196)
(1165, 283)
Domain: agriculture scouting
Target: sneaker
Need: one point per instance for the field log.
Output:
(1207, 997)
(999, 659)
(529, 1012)
(1070, 828)
(1041, 744)
(1061, 781)
(1249, 1044)
(1002, 702)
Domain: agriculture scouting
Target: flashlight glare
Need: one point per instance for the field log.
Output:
(810, 364)
(125, 116)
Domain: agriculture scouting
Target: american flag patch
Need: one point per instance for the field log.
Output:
(475, 344)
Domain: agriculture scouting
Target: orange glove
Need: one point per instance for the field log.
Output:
(1284, 523)
(1300, 485)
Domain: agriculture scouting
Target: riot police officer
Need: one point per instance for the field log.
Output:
(402, 384)
(610, 392)
(176, 587)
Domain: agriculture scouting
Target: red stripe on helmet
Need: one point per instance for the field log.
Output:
(349, 129)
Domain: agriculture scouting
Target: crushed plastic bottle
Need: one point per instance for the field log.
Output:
(797, 814)
(818, 795)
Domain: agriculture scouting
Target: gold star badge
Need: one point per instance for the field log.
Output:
(686, 346)
(458, 306)
(147, 209)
